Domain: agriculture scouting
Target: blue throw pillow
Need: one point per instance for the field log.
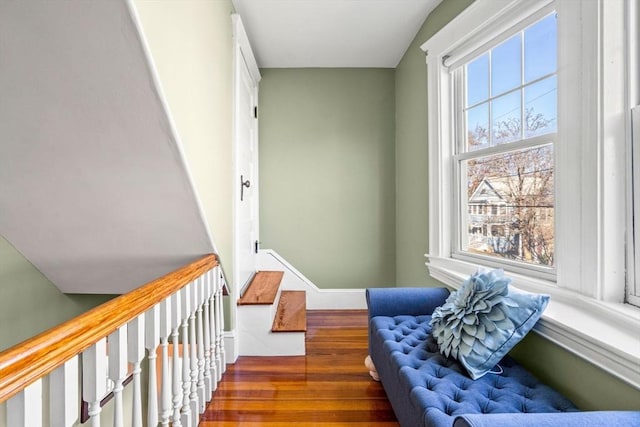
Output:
(479, 323)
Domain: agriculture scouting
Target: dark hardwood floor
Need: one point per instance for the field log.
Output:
(328, 387)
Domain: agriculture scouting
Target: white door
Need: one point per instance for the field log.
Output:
(246, 161)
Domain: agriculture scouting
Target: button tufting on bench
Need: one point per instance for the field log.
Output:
(428, 376)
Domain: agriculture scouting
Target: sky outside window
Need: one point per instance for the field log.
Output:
(505, 66)
(512, 84)
(511, 95)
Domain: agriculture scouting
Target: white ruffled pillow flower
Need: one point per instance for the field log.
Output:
(472, 318)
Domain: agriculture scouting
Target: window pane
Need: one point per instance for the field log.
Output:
(478, 80)
(506, 66)
(506, 113)
(510, 208)
(478, 127)
(540, 107)
(541, 49)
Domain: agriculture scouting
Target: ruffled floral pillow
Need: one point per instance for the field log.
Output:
(479, 323)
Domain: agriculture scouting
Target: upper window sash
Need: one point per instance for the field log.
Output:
(514, 20)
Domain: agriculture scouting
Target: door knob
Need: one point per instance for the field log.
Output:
(243, 184)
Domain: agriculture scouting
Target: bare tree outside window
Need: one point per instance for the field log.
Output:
(520, 185)
(510, 96)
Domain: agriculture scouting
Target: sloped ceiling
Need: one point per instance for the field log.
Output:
(332, 33)
(94, 190)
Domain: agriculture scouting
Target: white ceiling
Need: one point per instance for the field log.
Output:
(331, 33)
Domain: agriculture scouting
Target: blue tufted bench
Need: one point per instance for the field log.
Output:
(427, 389)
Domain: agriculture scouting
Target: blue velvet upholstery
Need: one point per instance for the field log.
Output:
(484, 319)
(575, 419)
(427, 389)
(413, 301)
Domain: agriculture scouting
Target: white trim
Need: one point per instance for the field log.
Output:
(231, 346)
(317, 299)
(586, 314)
(523, 144)
(242, 42)
(612, 152)
(573, 232)
(605, 334)
(241, 52)
(490, 36)
(633, 287)
(633, 138)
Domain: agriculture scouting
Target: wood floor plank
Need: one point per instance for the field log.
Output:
(329, 387)
(263, 288)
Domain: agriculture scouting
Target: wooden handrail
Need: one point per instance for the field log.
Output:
(36, 357)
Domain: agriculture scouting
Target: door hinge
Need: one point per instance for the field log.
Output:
(255, 112)
(257, 246)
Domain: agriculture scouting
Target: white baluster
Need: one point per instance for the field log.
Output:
(25, 408)
(118, 370)
(193, 396)
(185, 294)
(94, 378)
(208, 387)
(200, 330)
(135, 349)
(216, 332)
(64, 393)
(223, 353)
(212, 330)
(152, 338)
(220, 362)
(176, 371)
(165, 389)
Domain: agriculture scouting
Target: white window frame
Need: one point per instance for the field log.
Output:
(633, 285)
(587, 314)
(455, 62)
(633, 165)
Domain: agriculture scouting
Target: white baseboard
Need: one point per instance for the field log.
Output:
(231, 347)
(317, 299)
(252, 335)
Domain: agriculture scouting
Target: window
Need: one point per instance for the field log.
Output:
(633, 287)
(633, 223)
(529, 138)
(506, 123)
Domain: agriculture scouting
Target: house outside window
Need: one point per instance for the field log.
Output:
(529, 164)
(506, 123)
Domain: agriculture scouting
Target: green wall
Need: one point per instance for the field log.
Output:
(29, 302)
(327, 173)
(412, 184)
(588, 386)
(318, 193)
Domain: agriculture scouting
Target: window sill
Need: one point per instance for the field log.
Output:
(605, 334)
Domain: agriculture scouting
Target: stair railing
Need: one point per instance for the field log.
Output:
(77, 359)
